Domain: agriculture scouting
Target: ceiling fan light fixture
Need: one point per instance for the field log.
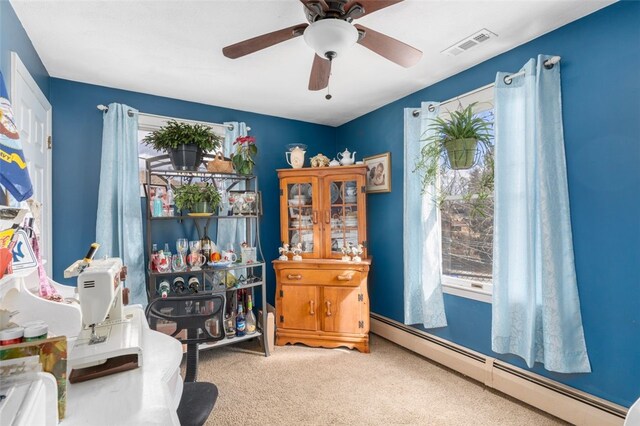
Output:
(330, 37)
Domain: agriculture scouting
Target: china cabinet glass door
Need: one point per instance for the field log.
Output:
(344, 214)
(300, 213)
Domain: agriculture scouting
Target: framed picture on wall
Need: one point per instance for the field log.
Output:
(378, 173)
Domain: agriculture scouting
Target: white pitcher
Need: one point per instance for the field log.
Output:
(295, 157)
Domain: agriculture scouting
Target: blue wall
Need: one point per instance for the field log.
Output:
(14, 38)
(76, 160)
(601, 109)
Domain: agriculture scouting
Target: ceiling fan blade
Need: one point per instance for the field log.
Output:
(320, 72)
(390, 48)
(370, 6)
(263, 41)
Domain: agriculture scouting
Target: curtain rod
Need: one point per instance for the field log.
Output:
(130, 114)
(548, 64)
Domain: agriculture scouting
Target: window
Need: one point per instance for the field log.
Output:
(466, 217)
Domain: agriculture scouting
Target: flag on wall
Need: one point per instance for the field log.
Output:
(13, 169)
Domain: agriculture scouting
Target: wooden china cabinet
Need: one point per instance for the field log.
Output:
(322, 300)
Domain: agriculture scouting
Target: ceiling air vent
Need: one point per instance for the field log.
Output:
(469, 42)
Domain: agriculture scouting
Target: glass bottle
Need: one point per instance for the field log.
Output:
(164, 289)
(157, 204)
(167, 251)
(205, 246)
(194, 284)
(178, 286)
(250, 318)
(241, 325)
(169, 205)
(154, 253)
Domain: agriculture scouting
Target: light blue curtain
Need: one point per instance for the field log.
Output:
(119, 219)
(536, 309)
(423, 300)
(232, 231)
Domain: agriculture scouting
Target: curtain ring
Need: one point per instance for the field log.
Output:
(431, 108)
(548, 65)
(507, 79)
(415, 112)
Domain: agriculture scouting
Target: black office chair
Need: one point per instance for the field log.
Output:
(197, 314)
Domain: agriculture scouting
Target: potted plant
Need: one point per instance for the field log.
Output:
(197, 198)
(185, 143)
(458, 143)
(243, 159)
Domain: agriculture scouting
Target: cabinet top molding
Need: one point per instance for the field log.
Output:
(323, 171)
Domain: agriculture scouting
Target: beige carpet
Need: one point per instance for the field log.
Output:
(298, 385)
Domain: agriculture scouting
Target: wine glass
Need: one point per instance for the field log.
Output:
(178, 262)
(182, 244)
(194, 246)
(249, 198)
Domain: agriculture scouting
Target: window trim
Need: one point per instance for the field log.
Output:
(453, 285)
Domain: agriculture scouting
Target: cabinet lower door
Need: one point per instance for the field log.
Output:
(341, 310)
(299, 307)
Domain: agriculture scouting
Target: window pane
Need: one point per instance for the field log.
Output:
(467, 220)
(467, 241)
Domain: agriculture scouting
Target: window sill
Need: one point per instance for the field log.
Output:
(463, 288)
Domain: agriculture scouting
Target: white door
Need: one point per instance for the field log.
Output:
(33, 117)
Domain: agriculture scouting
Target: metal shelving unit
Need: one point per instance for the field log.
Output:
(251, 276)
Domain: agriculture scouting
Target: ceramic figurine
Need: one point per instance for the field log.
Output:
(345, 253)
(283, 252)
(356, 252)
(297, 251)
(319, 161)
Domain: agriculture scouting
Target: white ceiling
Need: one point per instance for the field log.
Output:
(174, 49)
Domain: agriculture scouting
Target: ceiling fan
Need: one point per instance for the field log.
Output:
(330, 32)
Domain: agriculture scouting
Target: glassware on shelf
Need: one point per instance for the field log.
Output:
(249, 205)
(195, 260)
(248, 254)
(178, 262)
(238, 202)
(161, 262)
(182, 245)
(194, 246)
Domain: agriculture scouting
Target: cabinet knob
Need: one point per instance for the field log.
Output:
(328, 308)
(327, 217)
(315, 217)
(312, 307)
(345, 277)
(294, 276)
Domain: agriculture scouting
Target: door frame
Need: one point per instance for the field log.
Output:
(19, 69)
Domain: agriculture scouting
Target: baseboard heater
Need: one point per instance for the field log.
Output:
(562, 401)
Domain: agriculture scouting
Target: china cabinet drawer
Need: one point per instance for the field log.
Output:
(335, 277)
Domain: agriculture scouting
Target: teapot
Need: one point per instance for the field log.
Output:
(346, 158)
(334, 163)
(295, 157)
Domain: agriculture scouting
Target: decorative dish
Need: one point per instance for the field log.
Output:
(300, 189)
(220, 264)
(335, 192)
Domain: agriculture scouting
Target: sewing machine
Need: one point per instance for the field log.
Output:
(145, 395)
(109, 341)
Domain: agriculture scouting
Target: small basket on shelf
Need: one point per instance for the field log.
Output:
(219, 164)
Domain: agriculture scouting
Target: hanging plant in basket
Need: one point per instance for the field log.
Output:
(185, 143)
(458, 143)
